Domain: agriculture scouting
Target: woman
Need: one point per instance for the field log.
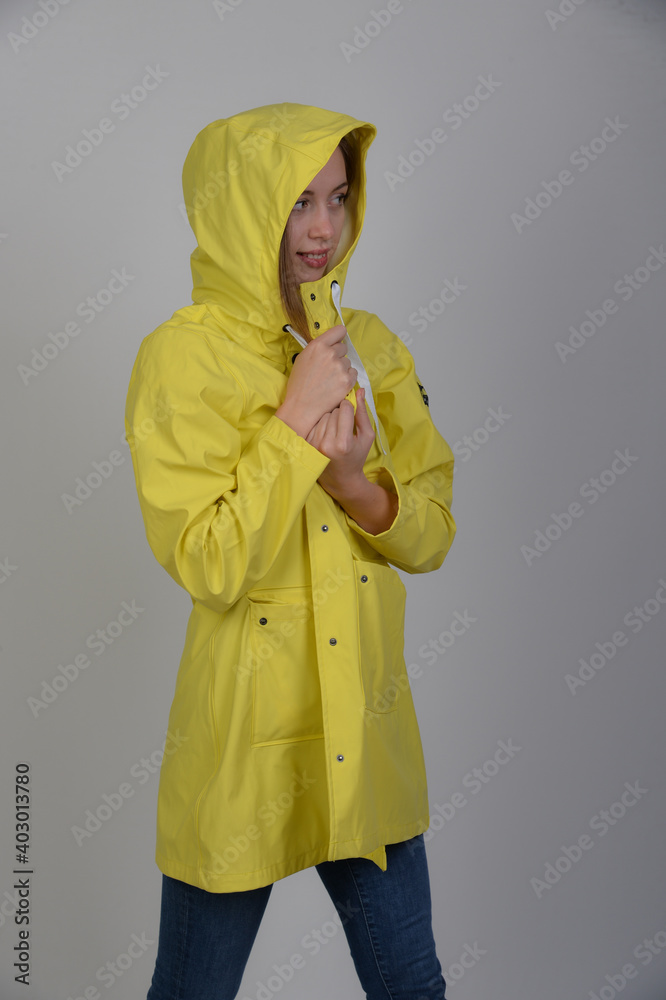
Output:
(278, 501)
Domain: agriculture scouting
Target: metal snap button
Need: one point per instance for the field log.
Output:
(339, 757)
(316, 326)
(364, 579)
(324, 527)
(263, 621)
(333, 641)
(313, 296)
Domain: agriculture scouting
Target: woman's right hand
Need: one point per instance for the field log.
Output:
(320, 379)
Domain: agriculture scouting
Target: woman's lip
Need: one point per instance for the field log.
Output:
(314, 263)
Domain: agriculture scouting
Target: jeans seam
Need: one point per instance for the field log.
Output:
(369, 929)
(181, 945)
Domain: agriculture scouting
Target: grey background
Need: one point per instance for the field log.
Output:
(494, 346)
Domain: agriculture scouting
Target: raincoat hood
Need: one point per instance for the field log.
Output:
(241, 178)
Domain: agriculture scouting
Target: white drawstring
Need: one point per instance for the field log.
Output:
(353, 356)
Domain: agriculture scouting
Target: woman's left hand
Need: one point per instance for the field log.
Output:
(345, 437)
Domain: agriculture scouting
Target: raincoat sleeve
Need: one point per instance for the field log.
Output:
(216, 515)
(419, 465)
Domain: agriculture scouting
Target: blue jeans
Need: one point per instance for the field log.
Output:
(205, 938)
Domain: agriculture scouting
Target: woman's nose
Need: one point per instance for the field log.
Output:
(321, 224)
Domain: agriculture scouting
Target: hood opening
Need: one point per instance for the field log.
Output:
(241, 178)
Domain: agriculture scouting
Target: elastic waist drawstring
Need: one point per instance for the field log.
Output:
(353, 356)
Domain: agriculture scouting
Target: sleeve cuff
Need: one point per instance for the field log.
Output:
(295, 445)
(383, 477)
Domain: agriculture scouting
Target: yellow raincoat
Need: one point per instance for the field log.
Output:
(295, 739)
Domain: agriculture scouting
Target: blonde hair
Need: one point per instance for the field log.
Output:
(289, 293)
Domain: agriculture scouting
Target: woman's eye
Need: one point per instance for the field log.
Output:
(341, 198)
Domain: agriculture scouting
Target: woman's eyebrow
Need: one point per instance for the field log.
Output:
(342, 184)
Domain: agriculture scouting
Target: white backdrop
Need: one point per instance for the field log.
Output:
(515, 239)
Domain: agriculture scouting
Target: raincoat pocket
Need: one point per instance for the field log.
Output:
(286, 694)
(381, 596)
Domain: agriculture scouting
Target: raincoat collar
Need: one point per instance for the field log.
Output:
(241, 179)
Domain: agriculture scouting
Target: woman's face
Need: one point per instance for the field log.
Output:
(316, 220)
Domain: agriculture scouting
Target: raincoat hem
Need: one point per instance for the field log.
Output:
(239, 881)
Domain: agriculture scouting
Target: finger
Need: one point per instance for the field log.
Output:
(332, 423)
(313, 436)
(362, 418)
(316, 434)
(346, 422)
(340, 333)
(361, 412)
(334, 334)
(330, 427)
(344, 426)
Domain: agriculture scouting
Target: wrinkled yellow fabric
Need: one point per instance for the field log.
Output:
(294, 735)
